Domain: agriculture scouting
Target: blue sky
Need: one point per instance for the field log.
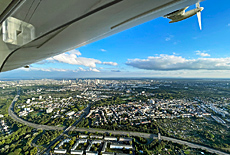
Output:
(152, 49)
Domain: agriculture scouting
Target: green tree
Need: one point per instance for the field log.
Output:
(33, 151)
(71, 142)
(18, 151)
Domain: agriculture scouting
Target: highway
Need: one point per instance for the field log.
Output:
(45, 127)
(70, 128)
(18, 119)
(192, 145)
(154, 136)
(86, 111)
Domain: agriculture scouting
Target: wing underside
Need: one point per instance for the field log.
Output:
(40, 29)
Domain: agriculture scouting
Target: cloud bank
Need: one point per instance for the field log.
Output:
(72, 58)
(172, 62)
(110, 63)
(79, 69)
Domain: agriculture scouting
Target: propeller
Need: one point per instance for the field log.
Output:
(199, 19)
(199, 14)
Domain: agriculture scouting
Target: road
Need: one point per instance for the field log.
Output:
(192, 145)
(70, 128)
(37, 126)
(45, 127)
(86, 111)
(147, 135)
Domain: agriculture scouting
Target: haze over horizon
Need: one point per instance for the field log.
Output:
(153, 49)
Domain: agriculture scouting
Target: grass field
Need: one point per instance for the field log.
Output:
(36, 114)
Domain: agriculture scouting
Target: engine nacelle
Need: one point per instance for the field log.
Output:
(186, 15)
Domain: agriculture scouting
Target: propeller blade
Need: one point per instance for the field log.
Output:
(198, 5)
(199, 19)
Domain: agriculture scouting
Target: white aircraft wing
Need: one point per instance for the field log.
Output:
(33, 30)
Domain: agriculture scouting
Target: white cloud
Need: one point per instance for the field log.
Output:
(81, 69)
(174, 53)
(103, 50)
(74, 51)
(71, 58)
(25, 73)
(172, 62)
(45, 69)
(203, 54)
(60, 70)
(94, 70)
(169, 38)
(110, 63)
